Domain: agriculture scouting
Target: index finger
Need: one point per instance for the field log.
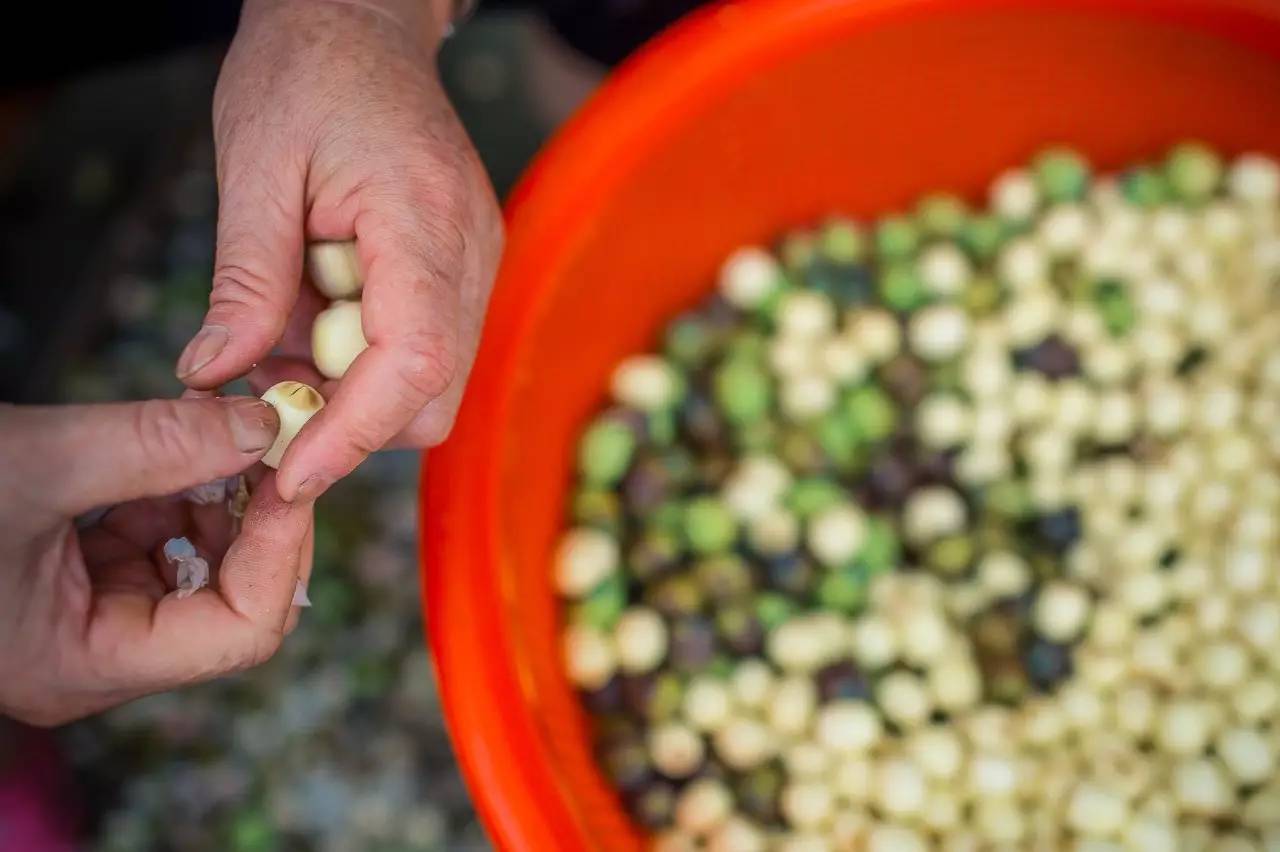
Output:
(410, 317)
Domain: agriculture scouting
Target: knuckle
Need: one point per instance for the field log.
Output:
(431, 431)
(428, 364)
(262, 646)
(266, 646)
(239, 285)
(161, 430)
(364, 438)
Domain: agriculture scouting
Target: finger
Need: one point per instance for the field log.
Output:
(95, 455)
(131, 576)
(258, 574)
(212, 530)
(414, 257)
(432, 425)
(257, 265)
(304, 577)
(145, 523)
(239, 623)
(99, 547)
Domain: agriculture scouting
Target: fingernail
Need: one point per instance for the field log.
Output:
(312, 487)
(202, 349)
(254, 424)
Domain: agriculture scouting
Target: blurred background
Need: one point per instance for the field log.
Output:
(107, 210)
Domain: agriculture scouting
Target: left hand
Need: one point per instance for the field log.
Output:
(330, 123)
(88, 617)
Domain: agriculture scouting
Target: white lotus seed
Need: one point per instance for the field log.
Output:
(335, 269)
(836, 534)
(640, 637)
(589, 656)
(848, 726)
(584, 559)
(675, 749)
(295, 404)
(646, 383)
(748, 277)
(703, 805)
(337, 338)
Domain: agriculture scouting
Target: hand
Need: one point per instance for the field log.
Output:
(330, 123)
(89, 617)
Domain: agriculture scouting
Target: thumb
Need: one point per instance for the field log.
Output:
(85, 456)
(257, 267)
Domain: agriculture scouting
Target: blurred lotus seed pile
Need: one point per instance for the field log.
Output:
(337, 743)
(955, 532)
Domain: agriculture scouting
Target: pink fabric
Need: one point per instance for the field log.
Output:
(33, 817)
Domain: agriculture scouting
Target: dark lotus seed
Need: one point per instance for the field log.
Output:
(713, 468)
(792, 574)
(655, 554)
(653, 696)
(843, 680)
(995, 634)
(701, 421)
(1190, 362)
(802, 451)
(693, 643)
(740, 629)
(680, 465)
(1053, 357)
(1061, 529)
(846, 284)
(654, 804)
(1047, 663)
(711, 768)
(934, 467)
(676, 596)
(636, 421)
(890, 479)
(718, 313)
(1006, 680)
(647, 485)
(626, 762)
(724, 578)
(598, 508)
(757, 792)
(606, 699)
(905, 379)
(611, 728)
(951, 555)
(689, 342)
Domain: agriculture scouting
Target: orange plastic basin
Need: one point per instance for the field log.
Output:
(743, 120)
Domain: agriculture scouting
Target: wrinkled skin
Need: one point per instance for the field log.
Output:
(330, 123)
(89, 617)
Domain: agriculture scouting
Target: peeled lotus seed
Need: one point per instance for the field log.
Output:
(337, 338)
(335, 268)
(295, 404)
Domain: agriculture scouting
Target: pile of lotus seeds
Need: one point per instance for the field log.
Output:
(957, 531)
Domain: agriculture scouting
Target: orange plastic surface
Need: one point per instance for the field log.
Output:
(743, 120)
